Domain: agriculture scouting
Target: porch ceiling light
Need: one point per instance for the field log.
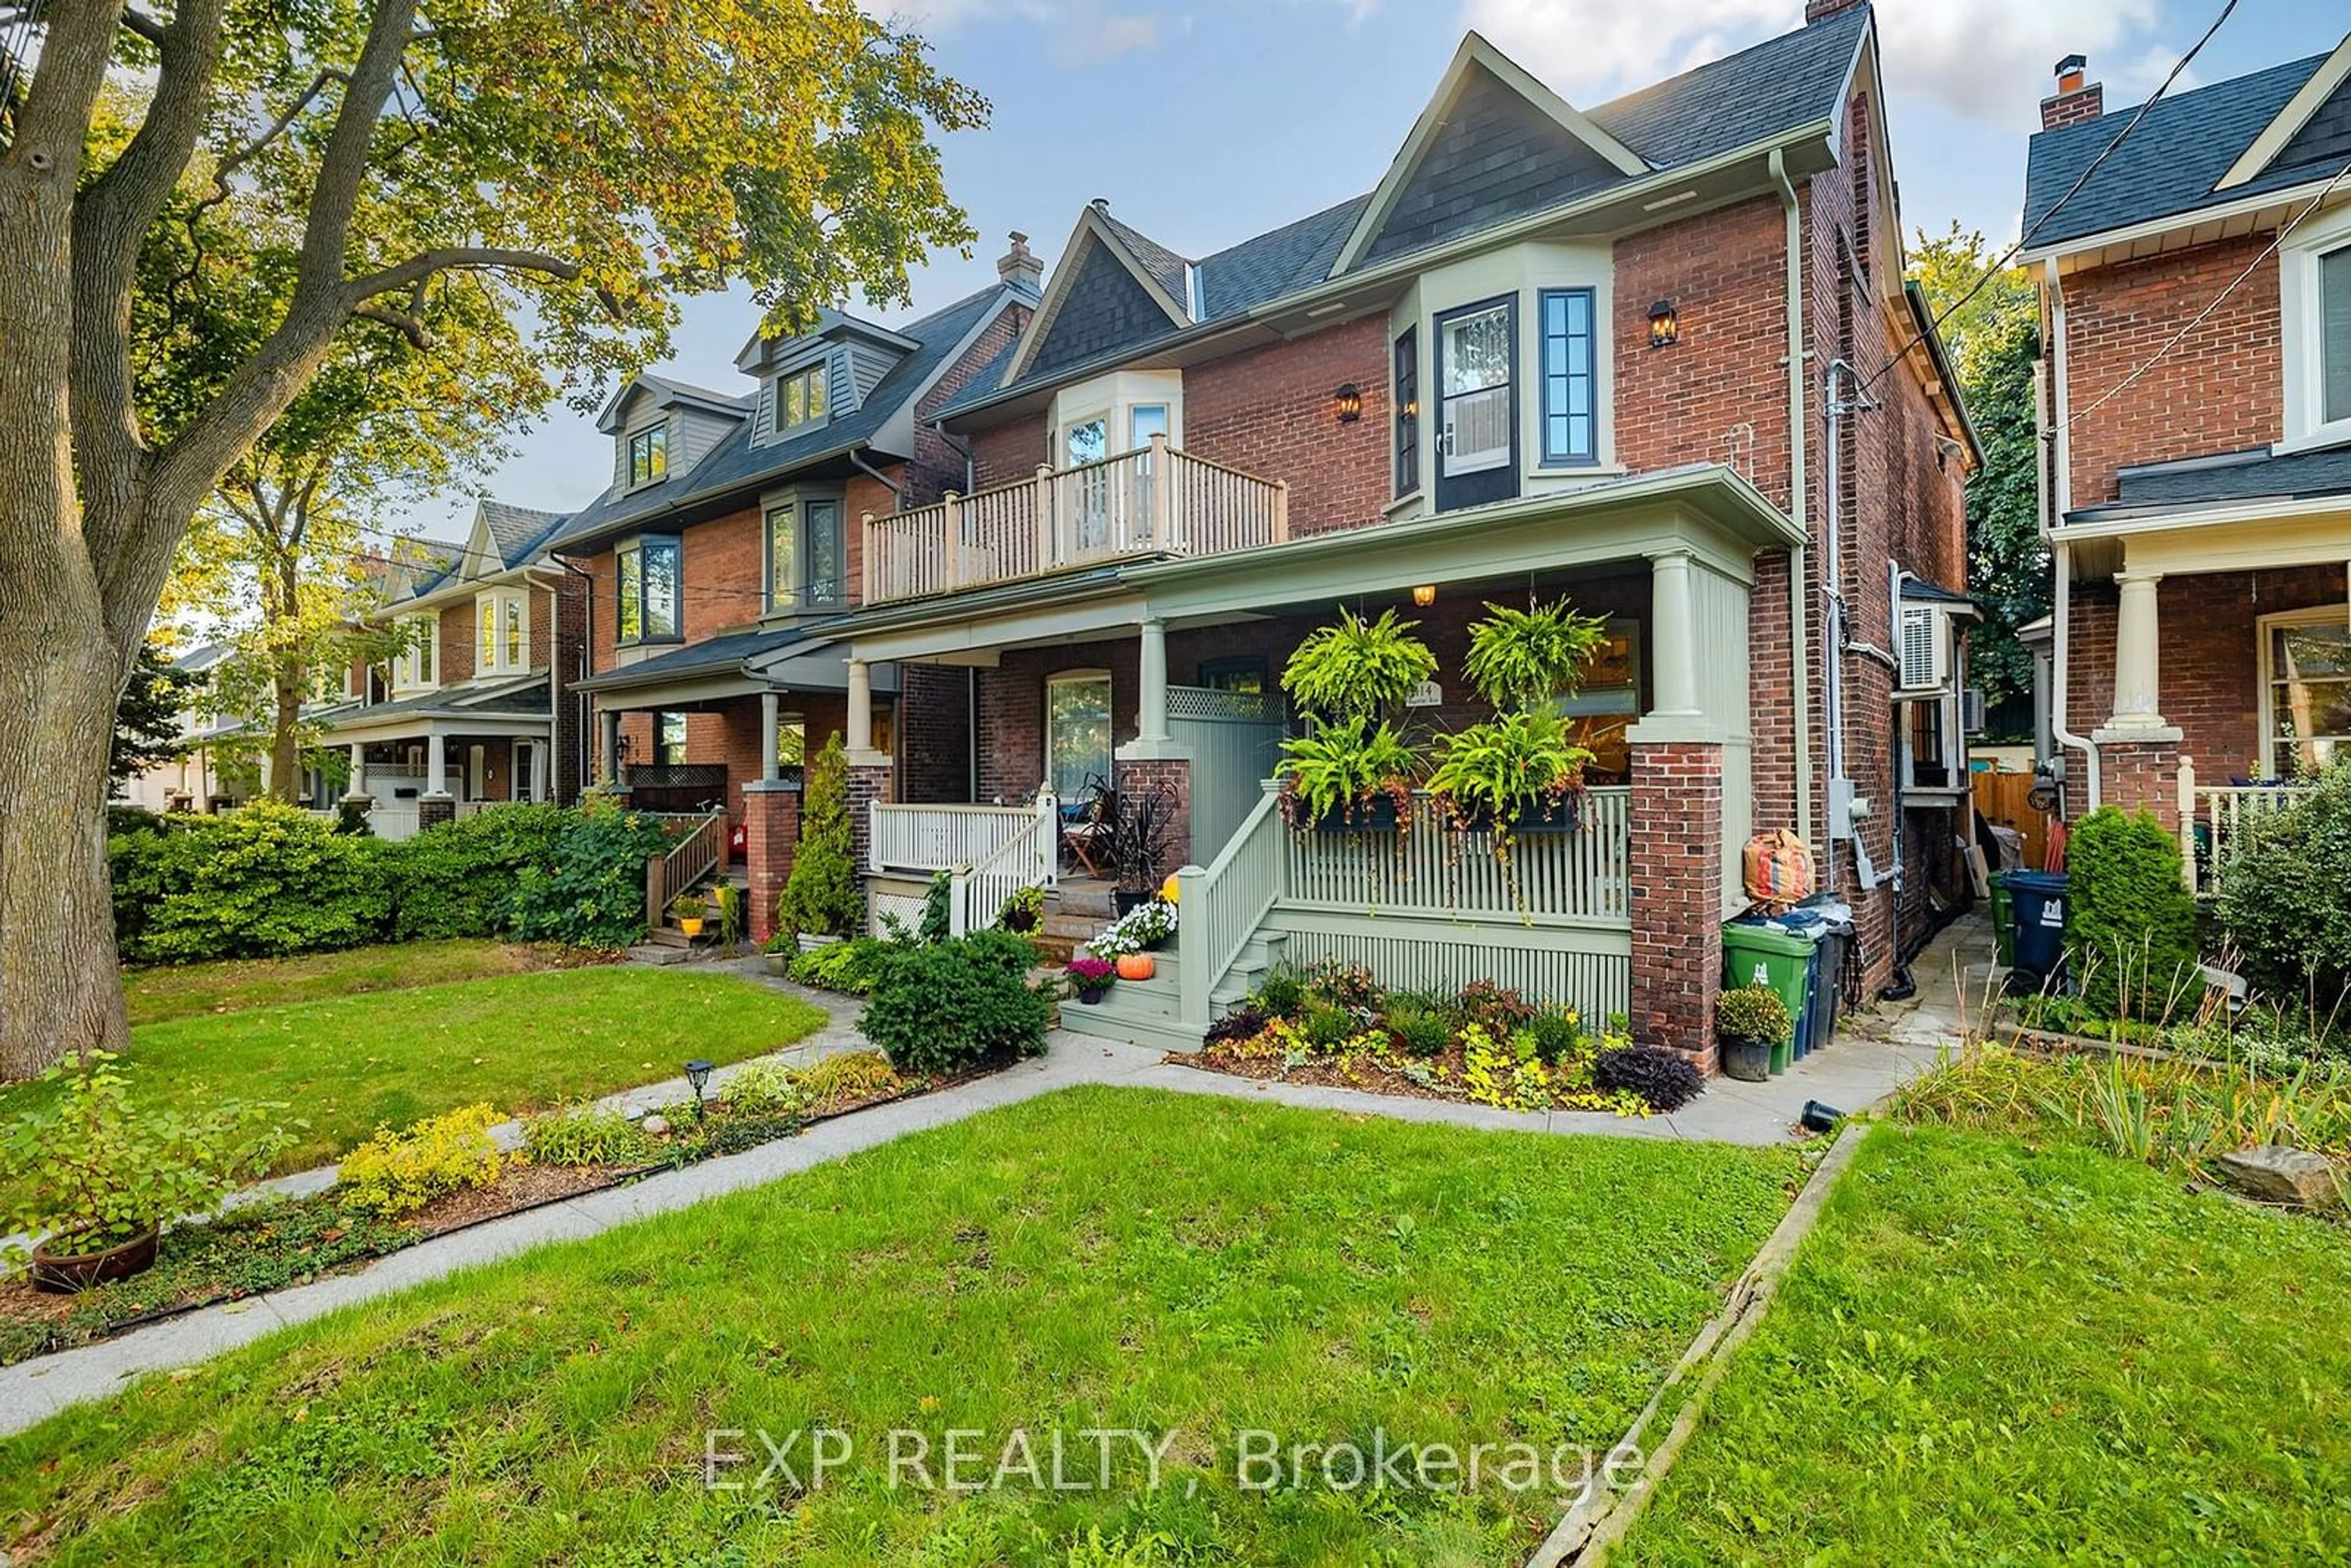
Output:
(1349, 403)
(1664, 325)
(1424, 594)
(697, 1073)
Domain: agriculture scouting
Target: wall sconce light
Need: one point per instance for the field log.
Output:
(1349, 403)
(1425, 595)
(1664, 325)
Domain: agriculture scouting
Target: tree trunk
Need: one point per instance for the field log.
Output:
(59, 990)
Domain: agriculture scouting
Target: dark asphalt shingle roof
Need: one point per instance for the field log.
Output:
(725, 651)
(2252, 475)
(517, 530)
(1167, 268)
(525, 697)
(1780, 85)
(2167, 166)
(735, 462)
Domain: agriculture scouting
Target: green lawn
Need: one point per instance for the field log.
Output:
(520, 1041)
(166, 991)
(1987, 1353)
(1189, 1268)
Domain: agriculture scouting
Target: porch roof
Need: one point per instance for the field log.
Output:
(2224, 477)
(727, 653)
(519, 703)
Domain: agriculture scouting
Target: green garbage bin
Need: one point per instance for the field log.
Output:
(2003, 923)
(1758, 955)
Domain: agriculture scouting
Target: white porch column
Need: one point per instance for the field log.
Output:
(2138, 654)
(357, 783)
(770, 735)
(608, 761)
(861, 718)
(436, 764)
(1151, 723)
(1673, 633)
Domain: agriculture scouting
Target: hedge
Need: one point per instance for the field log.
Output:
(2130, 921)
(269, 880)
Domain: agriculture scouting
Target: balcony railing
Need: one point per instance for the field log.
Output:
(1154, 500)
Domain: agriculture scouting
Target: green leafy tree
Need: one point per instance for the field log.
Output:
(1994, 338)
(338, 168)
(147, 718)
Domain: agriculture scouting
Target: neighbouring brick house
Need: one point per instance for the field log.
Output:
(1657, 355)
(480, 705)
(728, 541)
(2196, 294)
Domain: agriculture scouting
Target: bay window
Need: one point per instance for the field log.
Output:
(1408, 412)
(501, 632)
(2315, 284)
(646, 576)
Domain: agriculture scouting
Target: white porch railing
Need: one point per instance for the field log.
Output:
(2213, 822)
(941, 838)
(1155, 500)
(1565, 894)
(977, 891)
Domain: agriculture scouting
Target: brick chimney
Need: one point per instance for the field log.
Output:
(2073, 102)
(1822, 10)
(1019, 268)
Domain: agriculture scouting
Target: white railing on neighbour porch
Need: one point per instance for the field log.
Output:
(940, 838)
(1155, 500)
(2213, 822)
(977, 891)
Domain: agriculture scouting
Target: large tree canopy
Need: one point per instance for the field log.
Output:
(588, 161)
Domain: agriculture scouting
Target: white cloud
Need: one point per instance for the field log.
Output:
(1987, 59)
(1087, 34)
(1084, 32)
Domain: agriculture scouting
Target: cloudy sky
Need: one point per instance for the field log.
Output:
(1205, 121)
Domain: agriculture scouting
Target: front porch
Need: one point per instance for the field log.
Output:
(409, 774)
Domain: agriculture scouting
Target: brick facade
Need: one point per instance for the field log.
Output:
(1133, 780)
(1676, 888)
(771, 836)
(1270, 412)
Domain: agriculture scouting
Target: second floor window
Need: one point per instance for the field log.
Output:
(417, 664)
(2334, 336)
(647, 573)
(804, 554)
(1408, 412)
(649, 454)
(1570, 421)
(501, 632)
(801, 398)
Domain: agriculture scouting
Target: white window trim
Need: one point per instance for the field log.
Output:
(407, 665)
(1113, 398)
(2298, 309)
(498, 664)
(2266, 710)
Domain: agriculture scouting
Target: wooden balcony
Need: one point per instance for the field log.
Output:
(1154, 501)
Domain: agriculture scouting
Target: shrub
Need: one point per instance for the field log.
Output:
(1244, 1022)
(1558, 1033)
(762, 1088)
(399, 1173)
(1281, 994)
(952, 1004)
(1419, 1030)
(2130, 921)
(821, 897)
(1754, 1015)
(849, 965)
(1499, 1010)
(1326, 1028)
(1663, 1080)
(459, 879)
(846, 1078)
(1007, 950)
(1344, 985)
(92, 1162)
(260, 882)
(594, 893)
(583, 1135)
(2286, 895)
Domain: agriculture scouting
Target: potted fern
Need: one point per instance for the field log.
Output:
(1520, 771)
(1352, 772)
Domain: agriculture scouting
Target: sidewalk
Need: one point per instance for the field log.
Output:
(1854, 1073)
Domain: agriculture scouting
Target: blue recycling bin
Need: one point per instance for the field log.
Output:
(2037, 899)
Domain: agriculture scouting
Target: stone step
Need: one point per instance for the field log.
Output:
(1097, 899)
(657, 954)
(1076, 927)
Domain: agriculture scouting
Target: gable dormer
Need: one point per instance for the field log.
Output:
(661, 427)
(1114, 289)
(1493, 144)
(808, 381)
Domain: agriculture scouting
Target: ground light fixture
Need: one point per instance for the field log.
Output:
(1664, 325)
(697, 1073)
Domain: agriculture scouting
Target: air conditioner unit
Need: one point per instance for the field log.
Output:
(1971, 711)
(1925, 651)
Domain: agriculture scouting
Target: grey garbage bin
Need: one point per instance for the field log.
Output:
(1833, 937)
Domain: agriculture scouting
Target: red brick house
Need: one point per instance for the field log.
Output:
(726, 543)
(2196, 292)
(1657, 355)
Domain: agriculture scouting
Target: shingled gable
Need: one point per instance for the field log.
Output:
(2315, 127)
(1114, 296)
(1492, 143)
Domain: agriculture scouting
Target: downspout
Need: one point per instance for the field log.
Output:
(2060, 462)
(964, 450)
(868, 469)
(1799, 622)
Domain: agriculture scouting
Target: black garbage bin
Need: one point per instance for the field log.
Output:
(2038, 900)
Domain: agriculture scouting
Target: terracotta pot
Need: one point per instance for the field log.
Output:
(1136, 965)
(61, 1271)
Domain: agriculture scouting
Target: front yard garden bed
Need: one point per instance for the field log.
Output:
(1099, 1259)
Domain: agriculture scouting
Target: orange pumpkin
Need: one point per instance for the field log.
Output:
(1137, 966)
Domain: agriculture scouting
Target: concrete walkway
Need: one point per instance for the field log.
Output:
(1853, 1074)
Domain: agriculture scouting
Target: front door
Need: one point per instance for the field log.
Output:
(527, 782)
(1476, 375)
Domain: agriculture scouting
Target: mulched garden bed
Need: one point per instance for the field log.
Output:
(274, 1244)
(1381, 1068)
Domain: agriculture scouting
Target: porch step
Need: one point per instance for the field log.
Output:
(655, 953)
(1139, 1012)
(1052, 950)
(1095, 899)
(1076, 927)
(1260, 955)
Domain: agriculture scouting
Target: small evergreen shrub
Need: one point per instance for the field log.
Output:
(949, 1004)
(260, 883)
(2285, 898)
(2130, 921)
(1419, 1030)
(821, 897)
(459, 879)
(1558, 1033)
(1664, 1081)
(399, 1173)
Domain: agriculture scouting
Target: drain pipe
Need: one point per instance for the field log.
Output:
(1798, 620)
(2059, 477)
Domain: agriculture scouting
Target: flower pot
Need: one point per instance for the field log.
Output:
(690, 924)
(810, 944)
(1549, 816)
(778, 963)
(1128, 902)
(1022, 920)
(1376, 815)
(1092, 997)
(1159, 944)
(1136, 965)
(61, 1270)
(1746, 1060)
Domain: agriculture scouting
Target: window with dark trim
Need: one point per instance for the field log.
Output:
(804, 553)
(1571, 421)
(646, 583)
(1236, 673)
(802, 396)
(649, 454)
(669, 738)
(1408, 412)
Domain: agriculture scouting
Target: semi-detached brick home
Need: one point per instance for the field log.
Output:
(1657, 355)
(2196, 292)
